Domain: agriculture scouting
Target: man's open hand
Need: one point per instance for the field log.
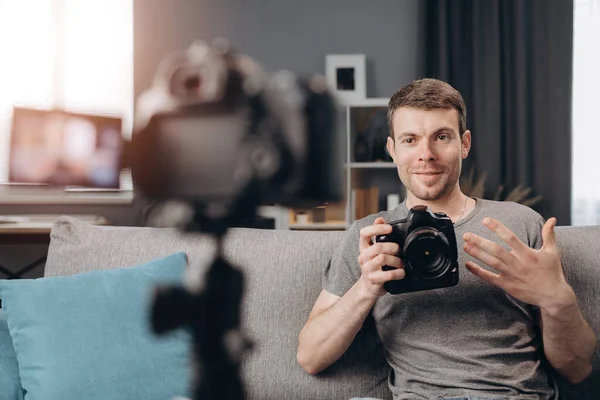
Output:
(533, 276)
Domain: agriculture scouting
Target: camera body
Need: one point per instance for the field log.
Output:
(216, 130)
(428, 249)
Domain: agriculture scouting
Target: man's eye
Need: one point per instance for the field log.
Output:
(408, 140)
(443, 137)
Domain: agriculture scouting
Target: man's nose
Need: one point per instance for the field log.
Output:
(427, 153)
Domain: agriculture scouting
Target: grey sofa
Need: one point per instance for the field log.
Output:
(283, 278)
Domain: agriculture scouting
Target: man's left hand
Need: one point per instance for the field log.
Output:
(533, 276)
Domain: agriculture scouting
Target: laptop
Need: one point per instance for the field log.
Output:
(64, 149)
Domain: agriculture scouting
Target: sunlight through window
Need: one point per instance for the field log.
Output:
(70, 54)
(586, 131)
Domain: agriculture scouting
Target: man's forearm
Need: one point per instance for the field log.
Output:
(327, 336)
(569, 343)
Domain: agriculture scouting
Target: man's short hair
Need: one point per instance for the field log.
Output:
(428, 94)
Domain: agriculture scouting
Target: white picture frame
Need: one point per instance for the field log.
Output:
(346, 76)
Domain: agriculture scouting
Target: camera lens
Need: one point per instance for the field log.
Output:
(427, 253)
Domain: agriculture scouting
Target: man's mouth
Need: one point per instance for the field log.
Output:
(428, 177)
(428, 172)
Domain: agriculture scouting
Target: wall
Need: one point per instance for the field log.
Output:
(286, 34)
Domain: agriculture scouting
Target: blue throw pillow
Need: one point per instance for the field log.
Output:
(10, 384)
(88, 336)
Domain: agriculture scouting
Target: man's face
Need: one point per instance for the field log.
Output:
(428, 150)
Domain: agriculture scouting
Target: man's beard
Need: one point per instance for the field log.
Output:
(422, 192)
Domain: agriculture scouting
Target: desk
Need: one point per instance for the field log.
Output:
(30, 230)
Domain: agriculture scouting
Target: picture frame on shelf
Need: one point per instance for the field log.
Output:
(346, 76)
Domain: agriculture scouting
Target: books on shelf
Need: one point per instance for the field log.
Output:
(365, 201)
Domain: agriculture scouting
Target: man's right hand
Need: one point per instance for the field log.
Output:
(373, 256)
(334, 321)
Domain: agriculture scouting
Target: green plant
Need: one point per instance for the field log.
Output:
(475, 187)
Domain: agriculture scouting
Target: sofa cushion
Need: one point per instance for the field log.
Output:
(76, 246)
(579, 252)
(282, 271)
(10, 383)
(88, 336)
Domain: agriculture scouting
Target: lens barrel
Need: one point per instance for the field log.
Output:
(427, 253)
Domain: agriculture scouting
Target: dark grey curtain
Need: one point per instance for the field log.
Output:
(512, 62)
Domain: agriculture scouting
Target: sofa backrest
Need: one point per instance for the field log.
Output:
(283, 278)
(282, 271)
(580, 249)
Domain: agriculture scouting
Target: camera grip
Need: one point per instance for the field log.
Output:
(383, 239)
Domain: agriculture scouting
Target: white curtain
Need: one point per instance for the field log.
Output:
(586, 108)
(73, 54)
(26, 62)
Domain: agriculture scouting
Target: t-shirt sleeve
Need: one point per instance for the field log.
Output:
(343, 269)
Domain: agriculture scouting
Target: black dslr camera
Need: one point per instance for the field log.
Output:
(428, 249)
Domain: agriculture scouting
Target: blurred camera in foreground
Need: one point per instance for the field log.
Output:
(428, 249)
(218, 135)
(217, 131)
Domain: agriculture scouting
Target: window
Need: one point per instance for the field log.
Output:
(70, 54)
(586, 130)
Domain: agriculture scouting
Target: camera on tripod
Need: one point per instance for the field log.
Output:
(218, 135)
(428, 249)
(215, 129)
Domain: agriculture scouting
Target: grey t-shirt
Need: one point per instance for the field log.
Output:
(469, 339)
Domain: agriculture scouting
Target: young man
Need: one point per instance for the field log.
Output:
(488, 336)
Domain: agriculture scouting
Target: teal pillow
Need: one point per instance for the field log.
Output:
(10, 384)
(88, 336)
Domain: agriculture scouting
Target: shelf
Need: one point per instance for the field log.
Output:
(370, 102)
(41, 223)
(330, 225)
(67, 197)
(380, 164)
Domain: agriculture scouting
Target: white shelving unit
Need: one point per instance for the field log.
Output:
(320, 226)
(370, 165)
(380, 171)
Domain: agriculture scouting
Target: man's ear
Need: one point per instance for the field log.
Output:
(465, 144)
(390, 147)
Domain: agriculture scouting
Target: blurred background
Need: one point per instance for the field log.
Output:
(528, 70)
